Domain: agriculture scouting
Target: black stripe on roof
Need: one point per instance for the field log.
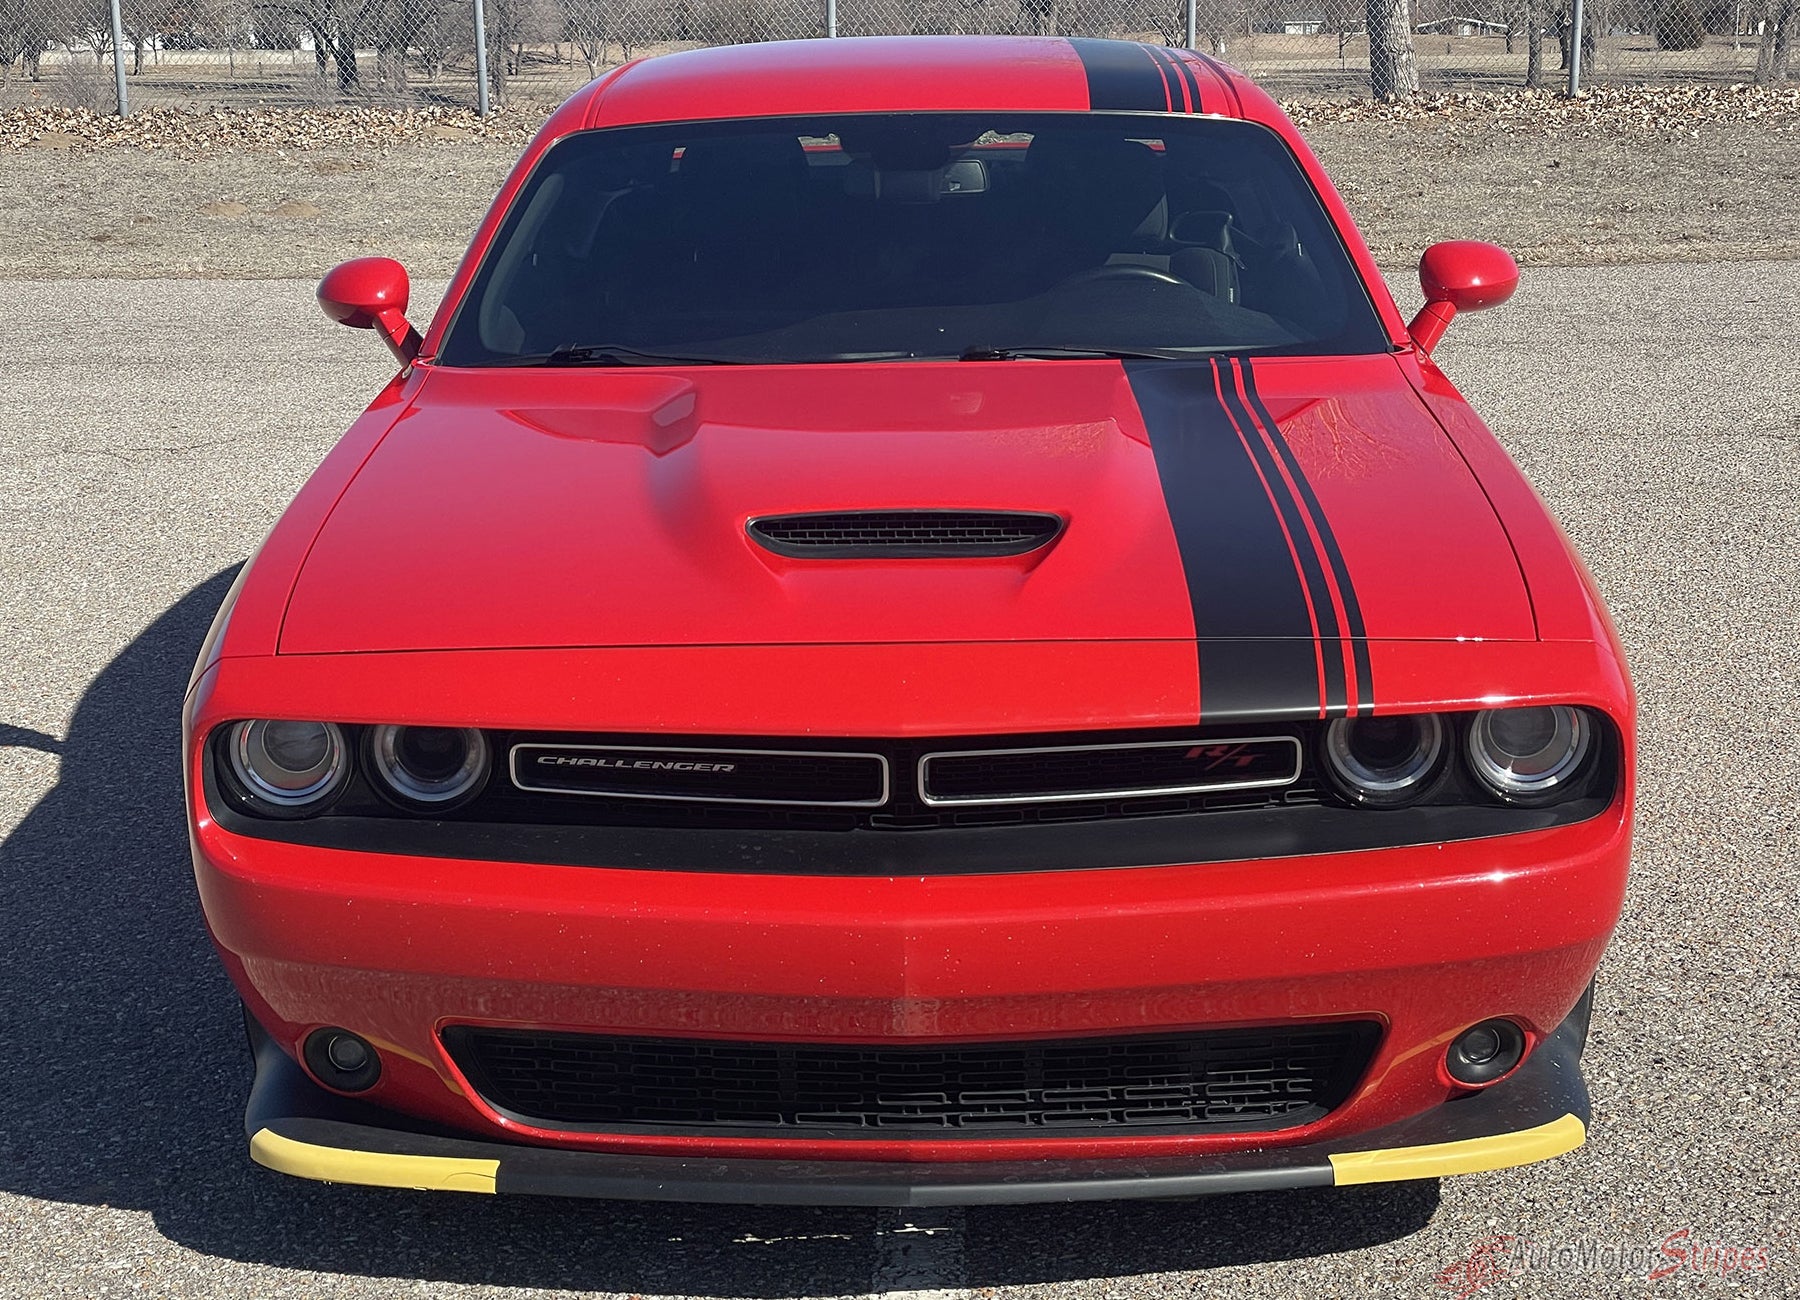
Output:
(1123, 75)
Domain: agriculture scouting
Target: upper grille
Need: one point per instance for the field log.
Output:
(1086, 772)
(1273, 1077)
(703, 775)
(887, 785)
(905, 534)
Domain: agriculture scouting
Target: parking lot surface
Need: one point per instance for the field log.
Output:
(152, 431)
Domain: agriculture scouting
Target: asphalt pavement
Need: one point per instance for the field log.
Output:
(151, 431)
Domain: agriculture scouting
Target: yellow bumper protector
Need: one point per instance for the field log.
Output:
(451, 1174)
(1470, 1156)
(372, 1168)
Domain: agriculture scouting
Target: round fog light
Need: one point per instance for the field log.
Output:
(341, 1060)
(1485, 1053)
(1480, 1045)
(347, 1053)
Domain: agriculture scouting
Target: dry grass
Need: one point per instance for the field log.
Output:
(1679, 173)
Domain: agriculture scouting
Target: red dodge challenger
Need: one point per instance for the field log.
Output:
(917, 629)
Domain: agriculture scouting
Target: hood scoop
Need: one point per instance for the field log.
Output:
(905, 534)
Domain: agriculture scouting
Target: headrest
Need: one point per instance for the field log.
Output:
(1106, 190)
(1190, 193)
(746, 182)
(747, 159)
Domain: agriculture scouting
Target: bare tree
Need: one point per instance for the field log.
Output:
(85, 25)
(639, 23)
(739, 22)
(142, 21)
(1772, 51)
(511, 24)
(1170, 22)
(26, 28)
(1565, 21)
(1214, 20)
(333, 25)
(588, 27)
(1393, 64)
(395, 28)
(1039, 17)
(1534, 43)
(272, 29)
(221, 22)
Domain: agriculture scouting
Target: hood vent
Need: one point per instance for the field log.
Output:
(905, 534)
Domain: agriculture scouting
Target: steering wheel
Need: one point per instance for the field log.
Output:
(1124, 271)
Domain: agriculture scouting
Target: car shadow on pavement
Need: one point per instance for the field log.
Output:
(127, 1073)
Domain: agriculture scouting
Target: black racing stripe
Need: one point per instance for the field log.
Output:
(1176, 67)
(1171, 78)
(1193, 81)
(1240, 574)
(1256, 681)
(1312, 564)
(1358, 630)
(1121, 75)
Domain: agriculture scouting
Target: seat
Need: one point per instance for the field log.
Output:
(1089, 198)
(723, 228)
(1204, 236)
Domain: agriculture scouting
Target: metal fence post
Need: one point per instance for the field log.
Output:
(831, 17)
(1193, 24)
(481, 79)
(118, 40)
(1575, 43)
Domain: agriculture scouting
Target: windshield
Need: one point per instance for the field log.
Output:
(893, 236)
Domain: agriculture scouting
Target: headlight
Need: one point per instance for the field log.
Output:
(1384, 762)
(1529, 755)
(288, 767)
(435, 766)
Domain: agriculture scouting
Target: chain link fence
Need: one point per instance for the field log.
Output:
(399, 53)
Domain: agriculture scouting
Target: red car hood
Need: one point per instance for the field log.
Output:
(560, 508)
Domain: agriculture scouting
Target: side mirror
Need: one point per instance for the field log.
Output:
(370, 293)
(1461, 275)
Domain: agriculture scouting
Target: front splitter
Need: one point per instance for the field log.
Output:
(298, 1128)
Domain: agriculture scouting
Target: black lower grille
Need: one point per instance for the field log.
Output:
(1234, 1079)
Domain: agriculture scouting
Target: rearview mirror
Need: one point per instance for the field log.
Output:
(1460, 275)
(371, 293)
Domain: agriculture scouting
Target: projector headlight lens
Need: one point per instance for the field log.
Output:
(432, 766)
(1384, 762)
(1530, 755)
(288, 767)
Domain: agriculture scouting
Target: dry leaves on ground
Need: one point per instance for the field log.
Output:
(217, 129)
(1600, 110)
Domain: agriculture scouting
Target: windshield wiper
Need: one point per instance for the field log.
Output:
(1032, 353)
(608, 354)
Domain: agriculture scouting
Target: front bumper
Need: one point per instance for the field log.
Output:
(1426, 941)
(298, 1128)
